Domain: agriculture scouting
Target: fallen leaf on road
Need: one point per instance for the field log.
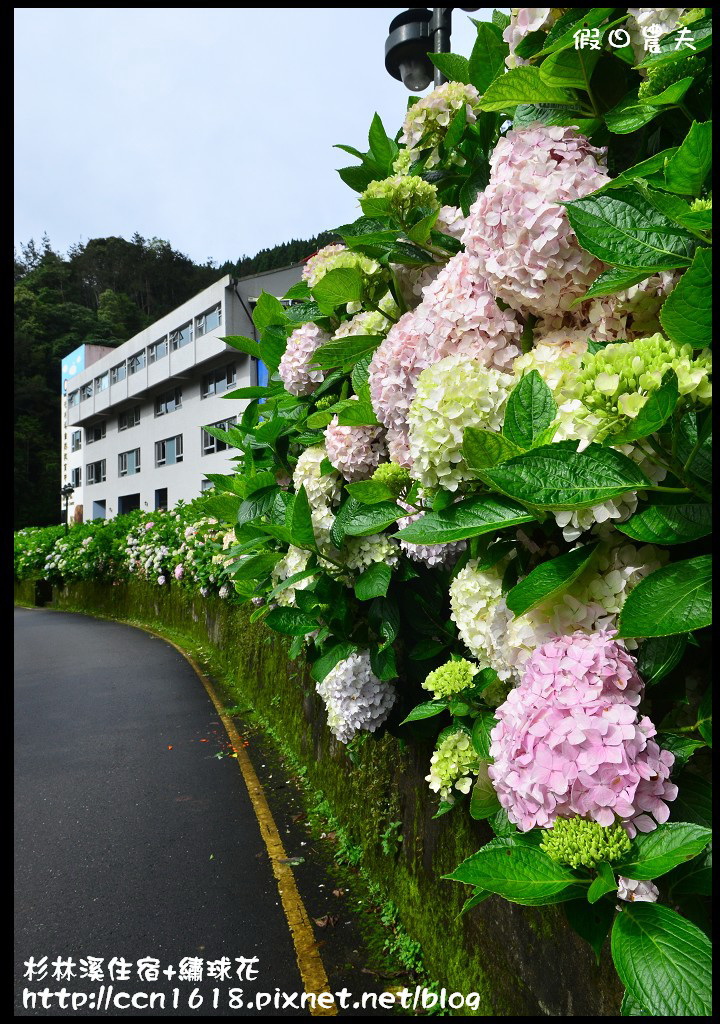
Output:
(328, 920)
(170, 746)
(338, 892)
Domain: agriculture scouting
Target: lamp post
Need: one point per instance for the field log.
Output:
(66, 491)
(412, 36)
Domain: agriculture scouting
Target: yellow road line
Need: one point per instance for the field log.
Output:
(309, 962)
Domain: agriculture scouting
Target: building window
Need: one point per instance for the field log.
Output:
(211, 444)
(169, 451)
(129, 418)
(168, 401)
(73, 398)
(218, 381)
(118, 373)
(95, 472)
(136, 362)
(208, 321)
(86, 391)
(158, 351)
(76, 477)
(206, 485)
(94, 433)
(182, 336)
(76, 440)
(129, 462)
(101, 382)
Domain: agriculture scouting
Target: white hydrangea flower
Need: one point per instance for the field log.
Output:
(371, 322)
(334, 257)
(427, 121)
(451, 221)
(354, 697)
(666, 18)
(453, 765)
(452, 395)
(523, 21)
(224, 591)
(322, 491)
(360, 552)
(633, 891)
(479, 611)
(295, 560)
(296, 368)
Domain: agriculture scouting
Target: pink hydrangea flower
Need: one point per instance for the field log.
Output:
(356, 452)
(296, 371)
(179, 571)
(519, 230)
(569, 741)
(458, 315)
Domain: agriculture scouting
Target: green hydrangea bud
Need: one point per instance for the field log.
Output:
(662, 76)
(616, 381)
(404, 192)
(450, 679)
(701, 205)
(325, 402)
(694, 14)
(403, 161)
(582, 843)
(395, 478)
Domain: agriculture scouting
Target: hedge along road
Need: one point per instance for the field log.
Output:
(134, 839)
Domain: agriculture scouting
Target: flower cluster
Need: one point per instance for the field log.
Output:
(523, 21)
(427, 121)
(449, 679)
(403, 193)
(395, 478)
(293, 562)
(452, 765)
(632, 891)
(667, 19)
(361, 552)
(354, 697)
(354, 451)
(519, 230)
(296, 369)
(569, 741)
(582, 843)
(434, 556)
(334, 257)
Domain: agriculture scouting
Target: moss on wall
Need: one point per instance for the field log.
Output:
(522, 962)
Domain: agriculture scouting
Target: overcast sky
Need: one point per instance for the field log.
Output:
(209, 127)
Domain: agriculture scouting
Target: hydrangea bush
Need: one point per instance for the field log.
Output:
(480, 471)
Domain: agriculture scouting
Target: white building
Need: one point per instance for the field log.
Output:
(133, 416)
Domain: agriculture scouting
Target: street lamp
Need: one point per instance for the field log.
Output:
(66, 491)
(412, 35)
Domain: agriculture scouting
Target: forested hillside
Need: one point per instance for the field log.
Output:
(102, 292)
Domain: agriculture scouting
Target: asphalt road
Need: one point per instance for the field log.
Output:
(133, 838)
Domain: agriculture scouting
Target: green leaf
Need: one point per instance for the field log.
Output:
(360, 377)
(694, 877)
(326, 662)
(630, 114)
(549, 579)
(358, 520)
(454, 67)
(479, 896)
(562, 34)
(674, 599)
(623, 228)
(663, 960)
(346, 351)
(240, 344)
(483, 448)
(693, 445)
(357, 178)
(369, 492)
(382, 663)
(499, 18)
(272, 346)
(612, 281)
(591, 923)
(482, 727)
(425, 649)
(301, 525)
(556, 476)
(427, 710)
(382, 148)
(420, 231)
(373, 582)
(455, 132)
(631, 1007)
(677, 523)
(483, 798)
(470, 518)
(652, 170)
(672, 95)
(705, 717)
(653, 415)
(694, 800)
(686, 314)
(303, 313)
(257, 567)
(604, 883)
(659, 656)
(356, 414)
(519, 873)
(338, 287)
(269, 311)
(672, 46)
(259, 505)
(570, 69)
(300, 290)
(290, 621)
(655, 853)
(682, 746)
(523, 85)
(487, 59)
(687, 170)
(530, 410)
